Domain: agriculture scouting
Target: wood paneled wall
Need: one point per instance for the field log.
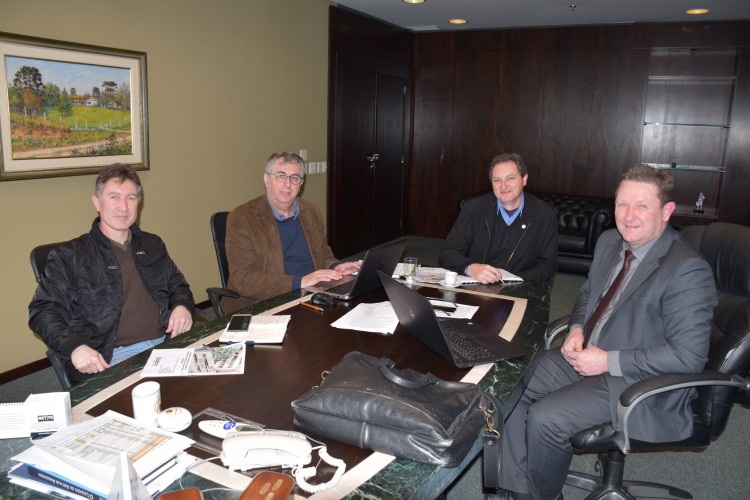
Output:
(570, 100)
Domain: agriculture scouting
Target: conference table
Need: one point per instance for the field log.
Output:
(275, 375)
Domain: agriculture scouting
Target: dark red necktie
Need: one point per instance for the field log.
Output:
(604, 303)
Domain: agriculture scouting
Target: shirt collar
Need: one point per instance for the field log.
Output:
(640, 252)
(281, 217)
(510, 218)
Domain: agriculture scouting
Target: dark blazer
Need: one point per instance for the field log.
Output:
(527, 248)
(660, 324)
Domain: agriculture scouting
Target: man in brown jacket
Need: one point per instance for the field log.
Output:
(276, 243)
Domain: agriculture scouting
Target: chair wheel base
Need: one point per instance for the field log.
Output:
(628, 490)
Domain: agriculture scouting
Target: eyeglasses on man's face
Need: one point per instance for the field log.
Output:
(281, 178)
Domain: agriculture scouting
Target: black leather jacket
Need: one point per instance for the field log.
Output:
(79, 299)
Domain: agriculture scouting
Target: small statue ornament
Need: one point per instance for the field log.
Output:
(699, 204)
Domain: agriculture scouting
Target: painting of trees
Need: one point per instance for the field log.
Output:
(67, 109)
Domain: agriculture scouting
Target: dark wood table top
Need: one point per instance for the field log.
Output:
(275, 376)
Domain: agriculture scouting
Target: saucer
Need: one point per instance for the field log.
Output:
(442, 283)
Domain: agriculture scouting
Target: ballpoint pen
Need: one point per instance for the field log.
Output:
(311, 306)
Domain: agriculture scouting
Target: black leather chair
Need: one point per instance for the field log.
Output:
(38, 259)
(726, 247)
(218, 234)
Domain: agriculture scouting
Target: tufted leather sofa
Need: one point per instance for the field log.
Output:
(581, 220)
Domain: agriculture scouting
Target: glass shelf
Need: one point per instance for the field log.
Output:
(692, 78)
(685, 212)
(668, 124)
(691, 168)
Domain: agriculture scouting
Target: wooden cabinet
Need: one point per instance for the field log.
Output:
(687, 121)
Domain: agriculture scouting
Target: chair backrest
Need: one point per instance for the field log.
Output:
(219, 233)
(38, 259)
(726, 247)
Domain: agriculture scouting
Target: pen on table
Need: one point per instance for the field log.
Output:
(159, 471)
(311, 306)
(247, 342)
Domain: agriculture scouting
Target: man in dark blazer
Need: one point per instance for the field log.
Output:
(657, 321)
(506, 229)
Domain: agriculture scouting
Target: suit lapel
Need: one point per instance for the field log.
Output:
(649, 265)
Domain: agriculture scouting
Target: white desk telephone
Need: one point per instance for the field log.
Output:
(272, 448)
(250, 450)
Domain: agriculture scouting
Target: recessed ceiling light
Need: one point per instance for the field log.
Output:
(458, 21)
(413, 1)
(696, 12)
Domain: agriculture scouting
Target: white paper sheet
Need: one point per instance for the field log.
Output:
(375, 318)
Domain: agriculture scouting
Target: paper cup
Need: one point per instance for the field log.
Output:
(146, 402)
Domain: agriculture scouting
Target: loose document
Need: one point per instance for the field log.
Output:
(381, 318)
(225, 360)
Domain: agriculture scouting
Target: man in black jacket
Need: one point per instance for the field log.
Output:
(113, 292)
(506, 229)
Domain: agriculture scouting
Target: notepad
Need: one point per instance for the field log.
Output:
(261, 330)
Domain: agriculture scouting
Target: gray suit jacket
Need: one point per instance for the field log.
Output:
(660, 324)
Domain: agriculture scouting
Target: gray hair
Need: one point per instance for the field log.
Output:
(119, 171)
(285, 157)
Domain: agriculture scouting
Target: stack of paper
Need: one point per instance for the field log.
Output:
(80, 460)
(436, 275)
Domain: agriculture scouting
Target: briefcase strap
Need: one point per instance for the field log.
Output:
(492, 438)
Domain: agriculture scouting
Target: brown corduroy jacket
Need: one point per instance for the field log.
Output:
(255, 256)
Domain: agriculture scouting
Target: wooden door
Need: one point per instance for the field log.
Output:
(367, 171)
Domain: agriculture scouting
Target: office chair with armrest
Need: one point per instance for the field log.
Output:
(38, 259)
(725, 247)
(218, 234)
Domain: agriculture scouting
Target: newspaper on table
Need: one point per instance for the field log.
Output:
(224, 360)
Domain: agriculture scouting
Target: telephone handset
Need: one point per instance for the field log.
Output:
(270, 448)
(251, 450)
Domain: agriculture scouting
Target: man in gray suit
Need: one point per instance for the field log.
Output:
(655, 320)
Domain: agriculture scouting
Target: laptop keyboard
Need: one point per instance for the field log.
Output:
(462, 346)
(342, 289)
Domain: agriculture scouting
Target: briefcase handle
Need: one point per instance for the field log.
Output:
(423, 380)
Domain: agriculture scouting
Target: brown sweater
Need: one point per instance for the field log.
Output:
(255, 256)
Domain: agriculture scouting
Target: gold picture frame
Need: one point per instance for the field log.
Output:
(69, 108)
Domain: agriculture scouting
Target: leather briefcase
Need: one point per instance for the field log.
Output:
(364, 401)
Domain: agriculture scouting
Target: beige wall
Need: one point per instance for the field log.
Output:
(229, 82)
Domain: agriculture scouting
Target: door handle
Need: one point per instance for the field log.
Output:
(372, 159)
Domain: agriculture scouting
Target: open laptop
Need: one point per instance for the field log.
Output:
(460, 341)
(380, 258)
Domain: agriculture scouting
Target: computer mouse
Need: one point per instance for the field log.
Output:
(323, 299)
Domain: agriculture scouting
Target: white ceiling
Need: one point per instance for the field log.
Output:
(433, 15)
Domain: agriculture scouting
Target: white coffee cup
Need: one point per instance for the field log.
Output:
(450, 278)
(146, 402)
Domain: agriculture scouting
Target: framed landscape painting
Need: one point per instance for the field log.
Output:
(70, 109)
